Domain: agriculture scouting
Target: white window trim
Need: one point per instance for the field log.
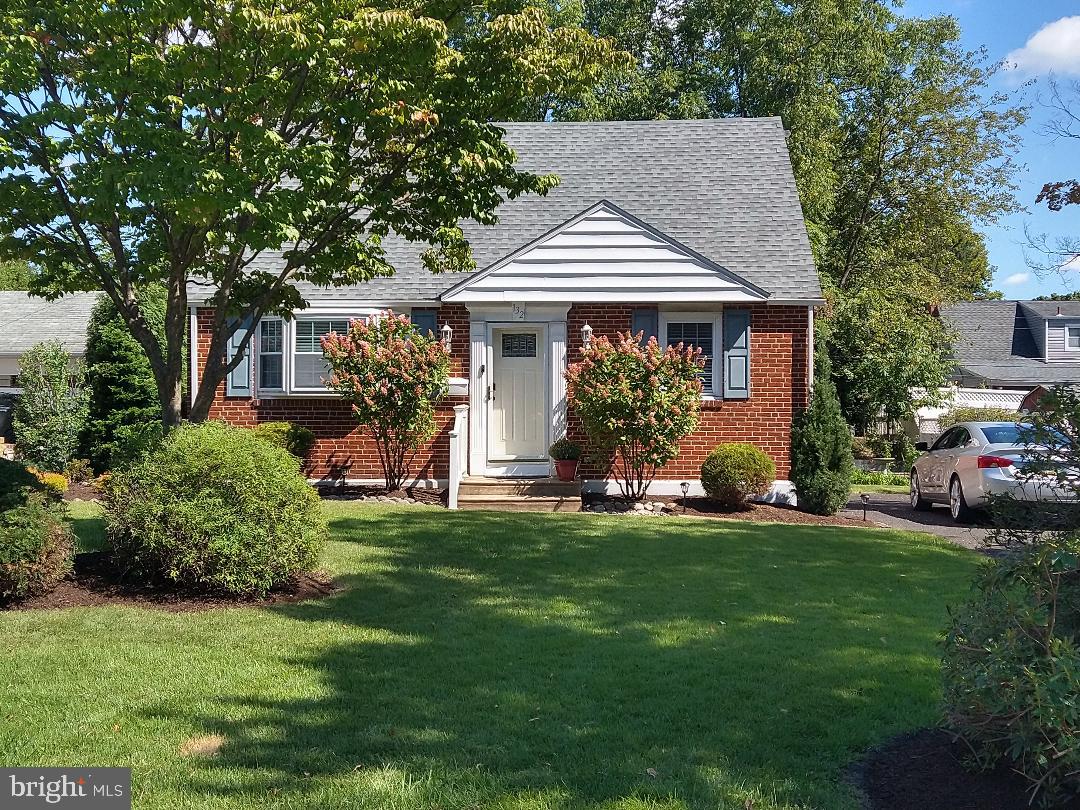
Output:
(289, 389)
(1068, 332)
(666, 316)
(257, 340)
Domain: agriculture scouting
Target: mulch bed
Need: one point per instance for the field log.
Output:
(94, 582)
(354, 492)
(924, 770)
(81, 492)
(754, 512)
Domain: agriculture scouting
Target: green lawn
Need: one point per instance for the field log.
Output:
(480, 660)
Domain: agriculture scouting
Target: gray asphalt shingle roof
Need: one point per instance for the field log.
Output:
(722, 187)
(26, 321)
(994, 341)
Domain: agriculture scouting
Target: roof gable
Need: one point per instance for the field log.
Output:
(604, 254)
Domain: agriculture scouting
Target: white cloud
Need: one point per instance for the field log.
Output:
(1053, 48)
(1016, 278)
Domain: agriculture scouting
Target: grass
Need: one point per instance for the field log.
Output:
(510, 661)
(89, 525)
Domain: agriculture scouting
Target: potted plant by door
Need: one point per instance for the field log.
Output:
(566, 455)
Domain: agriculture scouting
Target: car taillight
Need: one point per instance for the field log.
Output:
(994, 462)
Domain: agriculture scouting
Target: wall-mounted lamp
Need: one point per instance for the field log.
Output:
(447, 333)
(586, 335)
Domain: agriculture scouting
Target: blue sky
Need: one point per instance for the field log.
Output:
(1038, 38)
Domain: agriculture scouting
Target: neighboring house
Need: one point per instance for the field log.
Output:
(26, 321)
(1005, 349)
(688, 230)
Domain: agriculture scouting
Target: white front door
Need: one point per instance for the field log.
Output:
(517, 400)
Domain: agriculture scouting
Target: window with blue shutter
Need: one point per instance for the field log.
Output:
(644, 320)
(238, 381)
(736, 353)
(425, 320)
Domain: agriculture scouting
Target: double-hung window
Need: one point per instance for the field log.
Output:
(309, 366)
(1072, 337)
(272, 355)
(699, 334)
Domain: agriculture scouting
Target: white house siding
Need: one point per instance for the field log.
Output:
(605, 255)
(1056, 349)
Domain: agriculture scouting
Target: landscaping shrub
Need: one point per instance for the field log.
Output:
(1012, 653)
(879, 478)
(392, 376)
(16, 483)
(51, 410)
(124, 406)
(36, 548)
(296, 439)
(965, 414)
(821, 459)
(215, 507)
(55, 484)
(733, 472)
(79, 470)
(636, 403)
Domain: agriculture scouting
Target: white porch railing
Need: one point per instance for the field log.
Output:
(459, 453)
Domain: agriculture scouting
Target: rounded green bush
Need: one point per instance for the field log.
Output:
(732, 472)
(16, 483)
(37, 547)
(215, 507)
(297, 439)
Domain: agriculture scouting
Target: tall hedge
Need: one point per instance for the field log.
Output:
(124, 408)
(821, 457)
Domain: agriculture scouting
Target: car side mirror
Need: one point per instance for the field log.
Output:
(922, 447)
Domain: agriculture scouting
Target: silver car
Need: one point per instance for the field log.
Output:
(972, 460)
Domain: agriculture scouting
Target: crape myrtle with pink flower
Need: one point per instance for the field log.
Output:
(636, 402)
(392, 376)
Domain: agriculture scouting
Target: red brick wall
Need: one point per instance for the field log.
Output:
(779, 381)
(341, 446)
(778, 385)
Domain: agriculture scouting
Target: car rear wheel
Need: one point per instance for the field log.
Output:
(918, 502)
(958, 507)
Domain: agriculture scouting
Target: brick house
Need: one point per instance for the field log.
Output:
(687, 230)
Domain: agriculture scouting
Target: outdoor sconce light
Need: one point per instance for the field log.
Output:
(685, 487)
(447, 333)
(865, 503)
(586, 335)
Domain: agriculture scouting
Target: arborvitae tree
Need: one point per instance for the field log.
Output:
(124, 403)
(51, 409)
(821, 459)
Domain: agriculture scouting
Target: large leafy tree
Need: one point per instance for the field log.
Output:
(900, 151)
(173, 142)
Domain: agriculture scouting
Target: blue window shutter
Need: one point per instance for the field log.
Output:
(736, 353)
(425, 320)
(238, 383)
(644, 320)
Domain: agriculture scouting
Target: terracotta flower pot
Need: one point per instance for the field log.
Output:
(566, 469)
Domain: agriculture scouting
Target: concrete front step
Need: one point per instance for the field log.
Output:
(520, 494)
(481, 487)
(519, 503)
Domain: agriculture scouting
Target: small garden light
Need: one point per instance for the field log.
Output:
(586, 335)
(685, 487)
(865, 503)
(447, 333)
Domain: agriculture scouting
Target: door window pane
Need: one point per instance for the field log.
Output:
(519, 344)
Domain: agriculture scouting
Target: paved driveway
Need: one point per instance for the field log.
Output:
(895, 512)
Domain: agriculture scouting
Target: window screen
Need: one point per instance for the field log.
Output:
(1073, 339)
(519, 344)
(700, 336)
(309, 364)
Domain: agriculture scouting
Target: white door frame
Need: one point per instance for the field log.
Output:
(550, 321)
